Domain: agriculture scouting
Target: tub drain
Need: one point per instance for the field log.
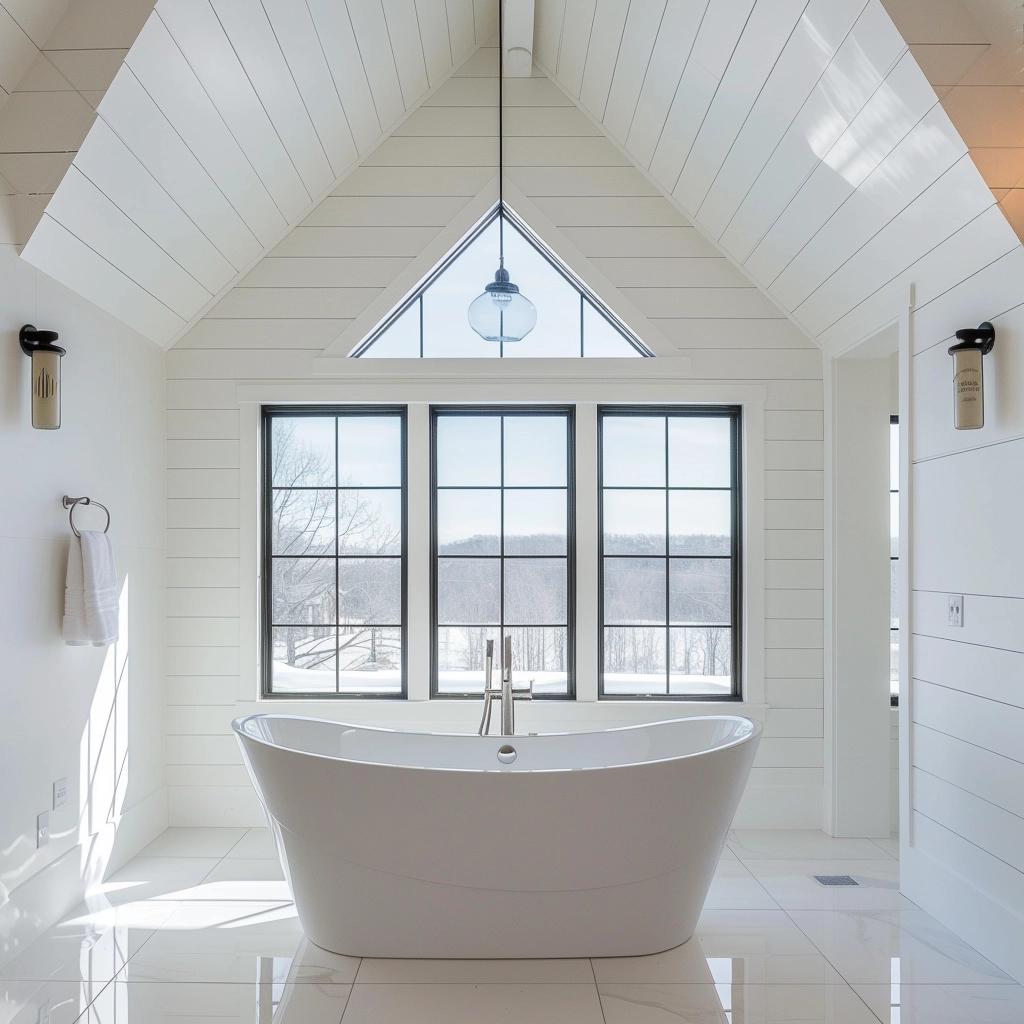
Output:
(507, 754)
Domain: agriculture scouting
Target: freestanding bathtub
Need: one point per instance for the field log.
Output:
(401, 844)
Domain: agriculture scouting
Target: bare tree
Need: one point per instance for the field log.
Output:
(309, 520)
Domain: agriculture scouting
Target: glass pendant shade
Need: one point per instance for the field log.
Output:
(502, 313)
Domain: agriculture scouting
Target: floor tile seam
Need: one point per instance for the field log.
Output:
(518, 982)
(867, 1005)
(88, 1006)
(880, 855)
(241, 838)
(152, 933)
(824, 956)
(821, 952)
(348, 995)
(757, 881)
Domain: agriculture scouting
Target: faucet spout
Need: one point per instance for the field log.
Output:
(505, 692)
(508, 717)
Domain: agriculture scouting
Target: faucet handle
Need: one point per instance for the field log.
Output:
(523, 693)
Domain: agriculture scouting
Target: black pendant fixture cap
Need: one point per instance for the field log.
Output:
(502, 284)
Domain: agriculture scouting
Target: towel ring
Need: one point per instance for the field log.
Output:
(71, 503)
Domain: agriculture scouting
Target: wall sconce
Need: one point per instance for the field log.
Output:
(968, 378)
(46, 357)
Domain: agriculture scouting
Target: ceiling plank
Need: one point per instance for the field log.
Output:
(378, 60)
(342, 51)
(297, 36)
(407, 48)
(132, 114)
(201, 38)
(258, 49)
(161, 68)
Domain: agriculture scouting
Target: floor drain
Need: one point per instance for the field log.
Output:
(832, 880)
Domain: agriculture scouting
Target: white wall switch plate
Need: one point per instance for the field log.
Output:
(42, 829)
(955, 613)
(60, 793)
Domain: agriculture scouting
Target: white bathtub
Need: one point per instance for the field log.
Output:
(401, 844)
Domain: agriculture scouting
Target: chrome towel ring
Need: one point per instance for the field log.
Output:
(70, 504)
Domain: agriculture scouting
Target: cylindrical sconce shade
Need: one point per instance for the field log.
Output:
(968, 375)
(968, 389)
(46, 357)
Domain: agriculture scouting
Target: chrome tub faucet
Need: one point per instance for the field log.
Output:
(506, 693)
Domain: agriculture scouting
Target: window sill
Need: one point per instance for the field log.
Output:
(463, 716)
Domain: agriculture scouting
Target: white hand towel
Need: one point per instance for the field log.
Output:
(90, 596)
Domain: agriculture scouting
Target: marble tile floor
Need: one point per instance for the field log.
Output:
(200, 928)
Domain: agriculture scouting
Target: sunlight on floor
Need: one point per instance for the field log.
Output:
(200, 925)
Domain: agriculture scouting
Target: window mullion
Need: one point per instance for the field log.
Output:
(418, 551)
(588, 635)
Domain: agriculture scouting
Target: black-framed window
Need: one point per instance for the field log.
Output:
(669, 552)
(502, 545)
(333, 551)
(894, 560)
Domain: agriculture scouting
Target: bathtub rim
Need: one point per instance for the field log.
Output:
(756, 729)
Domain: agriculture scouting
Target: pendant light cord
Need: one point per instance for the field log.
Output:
(501, 133)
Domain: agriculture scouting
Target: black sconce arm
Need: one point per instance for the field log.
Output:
(982, 337)
(33, 340)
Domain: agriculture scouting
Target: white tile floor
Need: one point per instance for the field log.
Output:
(199, 928)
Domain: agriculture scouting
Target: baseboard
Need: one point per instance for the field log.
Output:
(210, 806)
(42, 900)
(991, 927)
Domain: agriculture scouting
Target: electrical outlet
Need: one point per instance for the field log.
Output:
(60, 793)
(955, 610)
(42, 829)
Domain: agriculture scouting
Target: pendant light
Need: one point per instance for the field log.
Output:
(502, 313)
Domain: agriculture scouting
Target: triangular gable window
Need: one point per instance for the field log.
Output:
(432, 322)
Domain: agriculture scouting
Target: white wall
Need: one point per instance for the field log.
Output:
(90, 715)
(962, 856)
(346, 266)
(858, 715)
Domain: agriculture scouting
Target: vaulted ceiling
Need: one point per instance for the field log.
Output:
(226, 122)
(802, 137)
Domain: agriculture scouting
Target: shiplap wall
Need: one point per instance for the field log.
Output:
(964, 862)
(328, 270)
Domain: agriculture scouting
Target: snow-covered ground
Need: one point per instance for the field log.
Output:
(289, 679)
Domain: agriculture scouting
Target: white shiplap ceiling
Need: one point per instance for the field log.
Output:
(56, 60)
(973, 54)
(25, 26)
(228, 120)
(800, 135)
